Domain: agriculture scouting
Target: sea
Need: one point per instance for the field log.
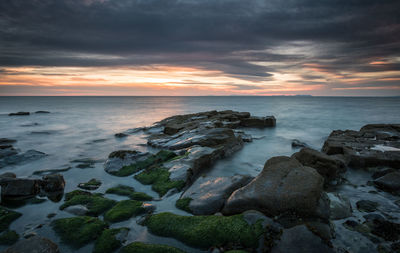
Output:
(84, 128)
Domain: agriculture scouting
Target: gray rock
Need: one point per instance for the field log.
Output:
(389, 182)
(42, 112)
(35, 244)
(298, 144)
(340, 206)
(118, 159)
(28, 156)
(19, 114)
(327, 166)
(15, 188)
(6, 141)
(208, 194)
(299, 239)
(52, 183)
(79, 210)
(261, 122)
(374, 145)
(367, 206)
(284, 185)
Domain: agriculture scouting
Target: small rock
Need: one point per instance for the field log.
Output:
(367, 206)
(252, 121)
(53, 183)
(6, 141)
(91, 185)
(382, 173)
(340, 206)
(79, 210)
(42, 112)
(149, 208)
(120, 135)
(18, 114)
(298, 144)
(34, 244)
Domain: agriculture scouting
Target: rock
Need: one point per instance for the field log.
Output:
(118, 159)
(383, 228)
(35, 244)
(91, 185)
(326, 166)
(298, 144)
(6, 141)
(79, 210)
(148, 208)
(367, 206)
(374, 145)
(53, 183)
(389, 182)
(208, 194)
(284, 185)
(18, 114)
(340, 207)
(120, 135)
(42, 112)
(299, 239)
(28, 156)
(381, 173)
(7, 150)
(268, 121)
(15, 188)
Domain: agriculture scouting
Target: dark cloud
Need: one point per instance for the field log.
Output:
(226, 35)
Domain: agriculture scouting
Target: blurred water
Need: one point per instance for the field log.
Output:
(84, 127)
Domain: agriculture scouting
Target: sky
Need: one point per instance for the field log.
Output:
(200, 47)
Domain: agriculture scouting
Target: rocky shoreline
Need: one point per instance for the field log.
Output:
(312, 201)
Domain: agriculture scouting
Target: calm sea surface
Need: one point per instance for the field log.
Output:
(84, 127)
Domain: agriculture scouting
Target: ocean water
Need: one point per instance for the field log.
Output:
(84, 127)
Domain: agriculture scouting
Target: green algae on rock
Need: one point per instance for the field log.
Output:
(124, 210)
(159, 179)
(159, 158)
(183, 204)
(7, 217)
(8, 237)
(109, 241)
(124, 190)
(95, 203)
(206, 231)
(78, 231)
(139, 247)
(92, 184)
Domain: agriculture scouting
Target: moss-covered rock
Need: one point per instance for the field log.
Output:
(159, 179)
(92, 184)
(139, 247)
(157, 159)
(206, 231)
(124, 190)
(124, 210)
(95, 203)
(183, 204)
(8, 237)
(7, 217)
(108, 241)
(78, 231)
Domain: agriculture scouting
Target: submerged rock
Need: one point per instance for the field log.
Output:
(110, 240)
(326, 166)
(6, 141)
(28, 156)
(298, 144)
(120, 135)
(42, 112)
(79, 210)
(7, 217)
(95, 203)
(18, 114)
(373, 145)
(35, 244)
(91, 185)
(208, 194)
(367, 206)
(124, 190)
(284, 185)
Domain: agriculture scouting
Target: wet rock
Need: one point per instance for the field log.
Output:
(7, 175)
(52, 183)
(42, 112)
(18, 114)
(148, 208)
(91, 185)
(367, 206)
(120, 135)
(340, 206)
(383, 228)
(298, 144)
(208, 194)
(15, 188)
(7, 150)
(389, 182)
(79, 210)
(261, 122)
(6, 141)
(381, 173)
(50, 171)
(374, 145)
(328, 167)
(95, 203)
(28, 156)
(284, 185)
(34, 244)
(118, 159)
(7, 217)
(299, 239)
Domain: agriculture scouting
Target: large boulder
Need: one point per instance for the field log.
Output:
(389, 182)
(374, 145)
(208, 194)
(35, 244)
(327, 166)
(262, 122)
(284, 186)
